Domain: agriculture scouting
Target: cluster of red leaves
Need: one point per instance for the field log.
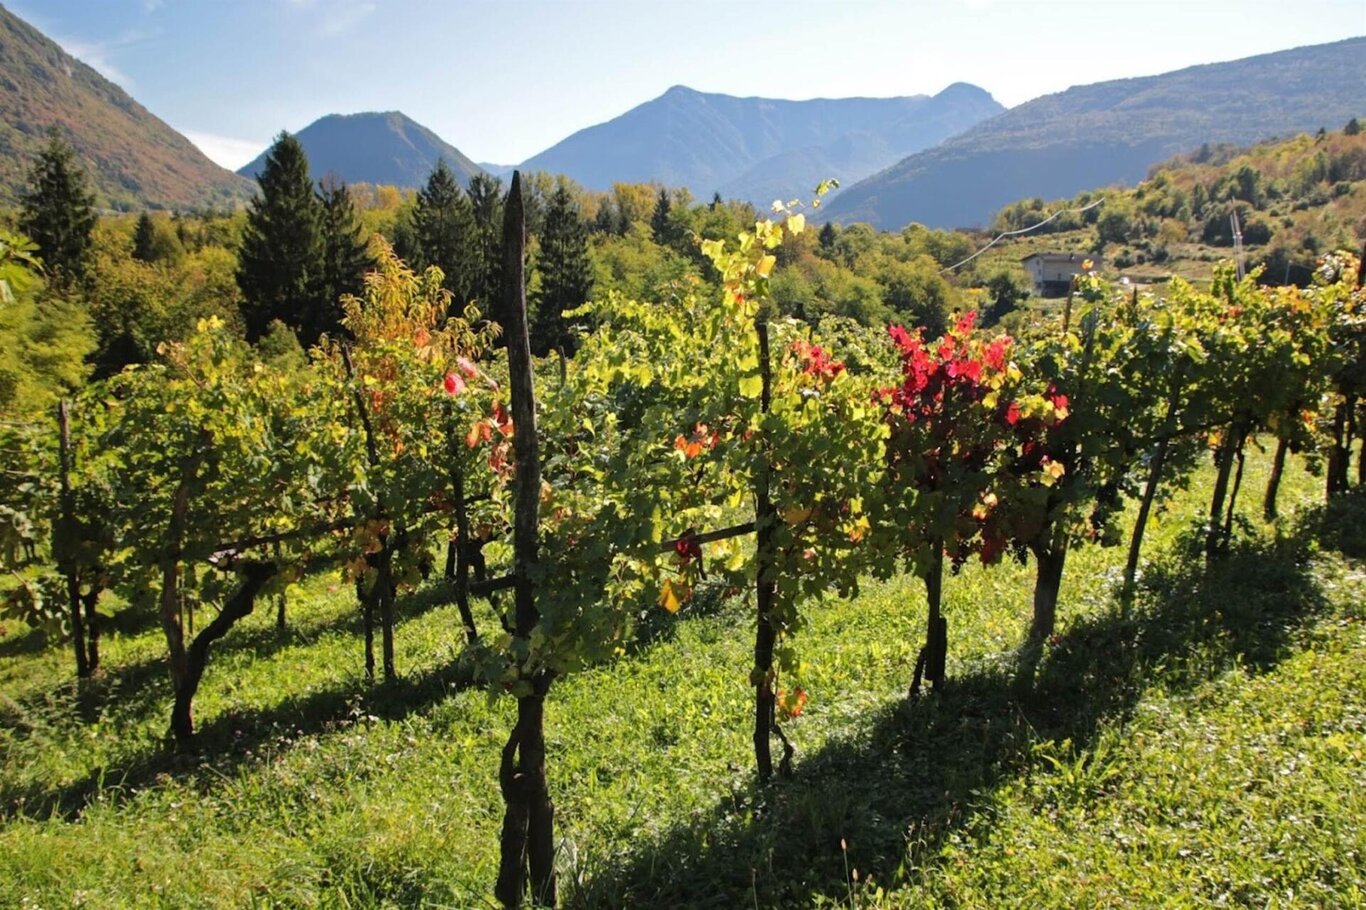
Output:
(482, 431)
(454, 383)
(951, 368)
(945, 434)
(815, 361)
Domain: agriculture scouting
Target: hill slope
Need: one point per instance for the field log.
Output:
(375, 148)
(1111, 132)
(759, 148)
(134, 159)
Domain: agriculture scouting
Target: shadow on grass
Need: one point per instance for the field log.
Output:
(1341, 524)
(132, 687)
(22, 641)
(924, 769)
(237, 738)
(141, 690)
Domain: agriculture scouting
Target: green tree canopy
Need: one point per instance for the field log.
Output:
(565, 271)
(57, 211)
(281, 261)
(346, 258)
(445, 235)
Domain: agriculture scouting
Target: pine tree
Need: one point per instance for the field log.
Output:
(486, 202)
(661, 226)
(144, 239)
(565, 270)
(828, 236)
(280, 266)
(443, 224)
(58, 211)
(346, 257)
(605, 222)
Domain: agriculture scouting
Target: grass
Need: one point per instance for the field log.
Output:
(1205, 750)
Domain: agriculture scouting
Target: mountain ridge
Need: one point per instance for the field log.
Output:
(1110, 132)
(758, 148)
(134, 159)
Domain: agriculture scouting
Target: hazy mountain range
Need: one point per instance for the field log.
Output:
(759, 148)
(1111, 132)
(950, 159)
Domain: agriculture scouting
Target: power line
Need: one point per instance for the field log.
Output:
(1033, 227)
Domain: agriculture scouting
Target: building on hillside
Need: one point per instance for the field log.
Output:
(1052, 273)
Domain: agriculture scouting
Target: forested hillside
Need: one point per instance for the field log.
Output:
(135, 160)
(1292, 200)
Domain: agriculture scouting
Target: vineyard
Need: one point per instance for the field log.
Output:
(899, 600)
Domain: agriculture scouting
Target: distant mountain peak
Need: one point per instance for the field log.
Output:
(963, 91)
(380, 147)
(757, 148)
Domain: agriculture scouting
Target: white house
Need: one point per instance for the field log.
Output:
(1052, 273)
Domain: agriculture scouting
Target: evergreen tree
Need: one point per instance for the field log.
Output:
(605, 222)
(1352, 128)
(828, 236)
(144, 239)
(443, 225)
(565, 270)
(346, 257)
(715, 202)
(486, 201)
(661, 226)
(280, 266)
(58, 211)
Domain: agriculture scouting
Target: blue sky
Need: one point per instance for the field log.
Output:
(504, 80)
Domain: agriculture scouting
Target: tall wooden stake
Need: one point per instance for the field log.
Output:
(528, 840)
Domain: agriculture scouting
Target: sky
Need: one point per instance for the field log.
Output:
(504, 79)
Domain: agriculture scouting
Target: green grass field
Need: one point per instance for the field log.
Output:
(1208, 749)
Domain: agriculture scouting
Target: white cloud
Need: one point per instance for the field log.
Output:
(342, 17)
(225, 151)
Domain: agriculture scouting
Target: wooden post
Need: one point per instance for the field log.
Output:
(65, 557)
(766, 585)
(528, 839)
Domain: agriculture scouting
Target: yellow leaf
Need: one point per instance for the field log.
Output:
(796, 223)
(673, 595)
(766, 265)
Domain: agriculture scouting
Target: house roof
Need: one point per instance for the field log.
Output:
(1062, 257)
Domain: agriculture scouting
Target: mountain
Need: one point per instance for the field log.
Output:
(134, 160)
(374, 148)
(759, 148)
(1110, 132)
(497, 170)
